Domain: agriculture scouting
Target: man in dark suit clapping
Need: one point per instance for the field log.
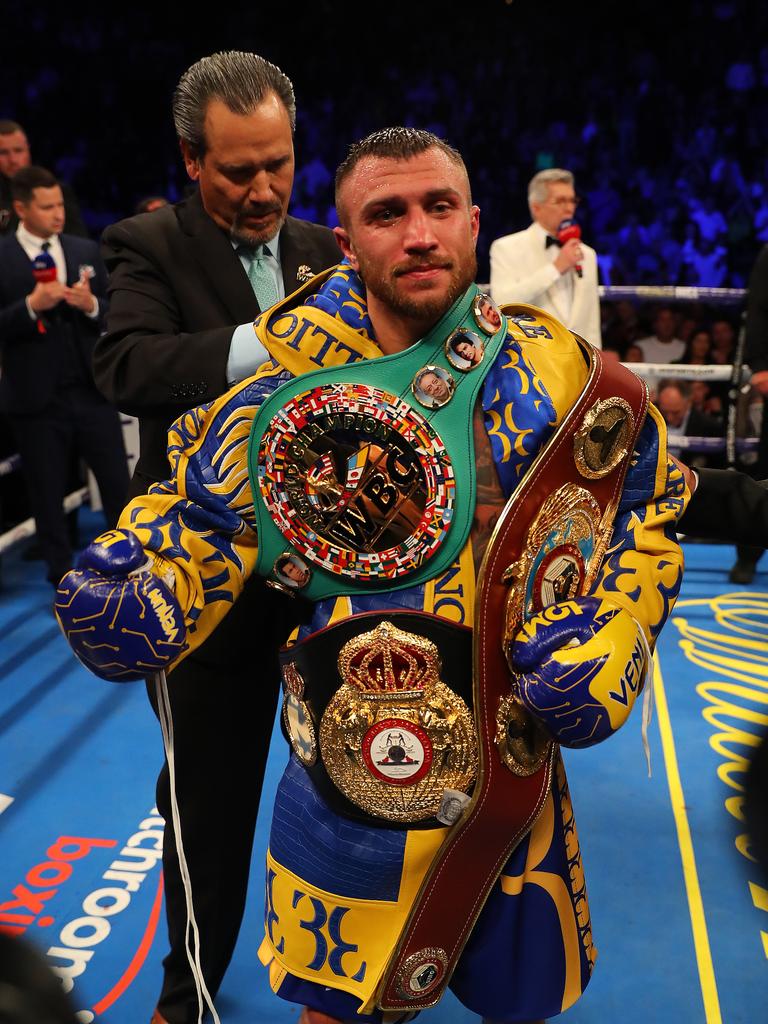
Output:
(52, 300)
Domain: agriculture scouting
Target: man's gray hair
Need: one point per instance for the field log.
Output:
(538, 186)
(240, 80)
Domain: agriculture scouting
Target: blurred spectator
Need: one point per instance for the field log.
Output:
(705, 264)
(698, 351)
(740, 76)
(663, 346)
(150, 204)
(709, 219)
(687, 325)
(683, 420)
(634, 354)
(621, 326)
(15, 154)
(723, 341)
(704, 401)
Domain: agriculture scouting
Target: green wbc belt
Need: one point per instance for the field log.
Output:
(363, 474)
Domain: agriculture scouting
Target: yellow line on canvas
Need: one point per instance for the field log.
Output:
(692, 888)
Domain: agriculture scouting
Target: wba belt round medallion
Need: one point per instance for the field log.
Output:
(357, 481)
(397, 751)
(394, 737)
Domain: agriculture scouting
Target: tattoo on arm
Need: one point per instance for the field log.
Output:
(490, 498)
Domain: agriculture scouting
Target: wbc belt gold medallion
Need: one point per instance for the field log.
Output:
(602, 440)
(394, 737)
(357, 481)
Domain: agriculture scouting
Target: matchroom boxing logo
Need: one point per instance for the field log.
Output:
(34, 901)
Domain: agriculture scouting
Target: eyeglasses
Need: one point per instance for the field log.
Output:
(566, 201)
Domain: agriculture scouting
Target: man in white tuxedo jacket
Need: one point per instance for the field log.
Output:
(532, 265)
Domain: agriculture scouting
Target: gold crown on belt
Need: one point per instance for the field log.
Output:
(387, 659)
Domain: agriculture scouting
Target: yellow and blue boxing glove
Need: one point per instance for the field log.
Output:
(122, 621)
(580, 666)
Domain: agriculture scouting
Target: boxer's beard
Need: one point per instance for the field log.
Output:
(433, 302)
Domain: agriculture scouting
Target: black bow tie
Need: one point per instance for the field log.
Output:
(553, 241)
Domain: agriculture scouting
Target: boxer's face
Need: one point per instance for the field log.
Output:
(410, 229)
(246, 173)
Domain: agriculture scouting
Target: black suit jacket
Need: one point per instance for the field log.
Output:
(727, 506)
(33, 363)
(177, 291)
(756, 351)
(701, 425)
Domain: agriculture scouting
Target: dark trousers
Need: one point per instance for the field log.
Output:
(759, 471)
(80, 421)
(223, 699)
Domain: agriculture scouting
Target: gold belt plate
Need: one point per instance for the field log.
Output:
(394, 737)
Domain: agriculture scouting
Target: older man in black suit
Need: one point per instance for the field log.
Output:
(52, 300)
(186, 283)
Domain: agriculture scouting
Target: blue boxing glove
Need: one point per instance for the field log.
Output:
(121, 621)
(581, 664)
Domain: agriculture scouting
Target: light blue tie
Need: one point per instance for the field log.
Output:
(261, 277)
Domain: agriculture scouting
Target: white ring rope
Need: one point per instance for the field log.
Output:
(688, 371)
(673, 293)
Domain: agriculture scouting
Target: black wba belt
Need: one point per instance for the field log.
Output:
(377, 708)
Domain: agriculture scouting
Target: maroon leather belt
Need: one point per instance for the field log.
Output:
(504, 806)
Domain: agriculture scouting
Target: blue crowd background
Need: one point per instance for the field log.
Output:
(661, 111)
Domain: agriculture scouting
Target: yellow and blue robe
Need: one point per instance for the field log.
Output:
(338, 891)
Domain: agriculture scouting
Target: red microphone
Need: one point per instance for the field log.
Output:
(43, 271)
(569, 229)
